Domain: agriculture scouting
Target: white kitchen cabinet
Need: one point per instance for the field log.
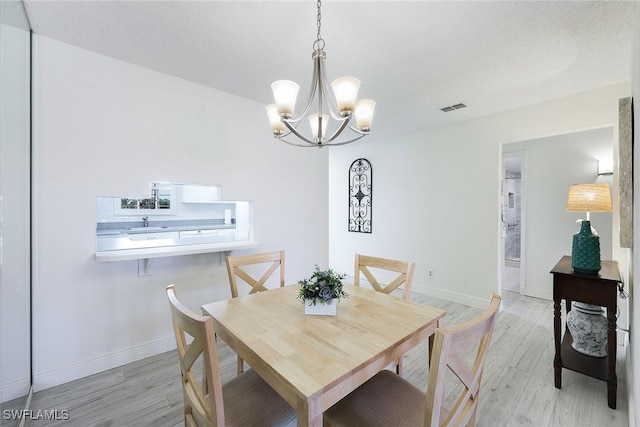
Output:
(197, 233)
(153, 236)
(201, 193)
(226, 232)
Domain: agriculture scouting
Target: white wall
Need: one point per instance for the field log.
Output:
(552, 165)
(14, 210)
(436, 192)
(105, 127)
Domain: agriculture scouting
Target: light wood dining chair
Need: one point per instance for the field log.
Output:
(235, 264)
(244, 400)
(389, 400)
(235, 269)
(364, 264)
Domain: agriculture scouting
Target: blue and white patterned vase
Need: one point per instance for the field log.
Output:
(588, 327)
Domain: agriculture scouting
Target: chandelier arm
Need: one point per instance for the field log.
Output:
(320, 145)
(282, 135)
(298, 134)
(334, 115)
(331, 103)
(293, 121)
(334, 144)
(338, 131)
(312, 90)
(328, 93)
(296, 144)
(363, 133)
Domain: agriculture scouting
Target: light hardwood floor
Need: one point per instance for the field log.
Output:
(510, 278)
(517, 388)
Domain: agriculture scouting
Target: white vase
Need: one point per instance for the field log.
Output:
(327, 309)
(588, 328)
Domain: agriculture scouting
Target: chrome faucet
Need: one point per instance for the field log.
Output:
(145, 221)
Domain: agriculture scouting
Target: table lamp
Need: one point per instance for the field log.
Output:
(585, 252)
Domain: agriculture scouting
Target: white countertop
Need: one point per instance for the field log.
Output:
(164, 251)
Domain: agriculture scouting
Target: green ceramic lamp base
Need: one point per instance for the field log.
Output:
(585, 253)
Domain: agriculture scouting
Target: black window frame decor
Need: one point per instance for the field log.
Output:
(360, 196)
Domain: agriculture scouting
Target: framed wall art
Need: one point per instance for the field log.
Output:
(360, 196)
(625, 163)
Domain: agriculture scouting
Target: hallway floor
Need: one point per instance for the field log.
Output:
(510, 278)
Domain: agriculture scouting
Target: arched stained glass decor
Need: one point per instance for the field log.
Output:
(360, 196)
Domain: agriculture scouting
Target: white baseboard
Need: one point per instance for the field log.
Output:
(74, 371)
(27, 406)
(631, 398)
(14, 389)
(459, 298)
(621, 337)
(536, 292)
(423, 289)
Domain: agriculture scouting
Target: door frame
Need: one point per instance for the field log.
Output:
(523, 203)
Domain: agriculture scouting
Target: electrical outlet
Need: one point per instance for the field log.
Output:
(430, 274)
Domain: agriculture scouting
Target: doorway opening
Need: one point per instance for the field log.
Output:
(511, 221)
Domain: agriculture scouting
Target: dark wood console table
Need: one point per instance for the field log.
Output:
(599, 289)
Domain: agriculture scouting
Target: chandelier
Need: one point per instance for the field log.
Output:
(341, 105)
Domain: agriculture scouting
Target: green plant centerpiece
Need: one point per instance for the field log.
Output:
(322, 287)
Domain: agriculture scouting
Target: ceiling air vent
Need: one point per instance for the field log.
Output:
(453, 107)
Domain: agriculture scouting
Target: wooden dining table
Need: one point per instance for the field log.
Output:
(314, 361)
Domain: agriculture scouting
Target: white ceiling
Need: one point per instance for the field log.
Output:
(413, 57)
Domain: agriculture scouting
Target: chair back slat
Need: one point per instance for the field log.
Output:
(465, 374)
(235, 265)
(449, 349)
(364, 263)
(203, 404)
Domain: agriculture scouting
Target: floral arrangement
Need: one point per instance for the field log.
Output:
(322, 287)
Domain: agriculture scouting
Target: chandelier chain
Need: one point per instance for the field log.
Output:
(319, 19)
(319, 43)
